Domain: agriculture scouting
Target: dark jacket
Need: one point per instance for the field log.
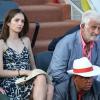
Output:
(67, 91)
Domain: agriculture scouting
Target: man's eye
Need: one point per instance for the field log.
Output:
(94, 27)
(16, 20)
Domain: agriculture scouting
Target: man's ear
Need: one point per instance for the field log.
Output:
(82, 26)
(74, 77)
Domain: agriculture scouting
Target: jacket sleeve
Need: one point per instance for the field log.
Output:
(58, 66)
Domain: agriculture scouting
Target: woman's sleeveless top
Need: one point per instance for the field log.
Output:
(12, 60)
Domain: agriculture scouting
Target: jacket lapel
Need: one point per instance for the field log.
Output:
(78, 46)
(94, 54)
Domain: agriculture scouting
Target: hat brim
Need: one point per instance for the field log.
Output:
(95, 72)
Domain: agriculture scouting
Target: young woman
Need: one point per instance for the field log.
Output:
(16, 60)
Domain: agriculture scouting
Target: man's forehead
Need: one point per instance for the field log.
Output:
(94, 21)
(82, 77)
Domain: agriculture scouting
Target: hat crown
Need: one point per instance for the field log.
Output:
(84, 68)
(81, 63)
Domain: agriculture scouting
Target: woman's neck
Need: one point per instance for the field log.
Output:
(13, 37)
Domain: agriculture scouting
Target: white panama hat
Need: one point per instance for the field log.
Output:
(83, 67)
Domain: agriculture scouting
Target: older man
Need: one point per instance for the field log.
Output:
(84, 42)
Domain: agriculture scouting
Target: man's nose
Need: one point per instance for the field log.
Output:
(97, 31)
(90, 80)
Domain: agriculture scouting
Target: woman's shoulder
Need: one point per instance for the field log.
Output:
(2, 44)
(26, 39)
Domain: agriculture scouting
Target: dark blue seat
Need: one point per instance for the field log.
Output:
(43, 59)
(53, 43)
(5, 6)
(4, 97)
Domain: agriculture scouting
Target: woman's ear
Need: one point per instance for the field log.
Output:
(8, 24)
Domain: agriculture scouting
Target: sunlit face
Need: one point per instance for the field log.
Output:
(90, 30)
(83, 83)
(16, 24)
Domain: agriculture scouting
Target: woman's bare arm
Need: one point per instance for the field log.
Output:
(28, 45)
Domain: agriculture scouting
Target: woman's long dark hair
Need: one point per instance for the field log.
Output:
(5, 29)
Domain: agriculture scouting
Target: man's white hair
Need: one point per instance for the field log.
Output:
(88, 15)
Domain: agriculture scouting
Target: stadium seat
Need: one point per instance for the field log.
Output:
(5, 6)
(43, 59)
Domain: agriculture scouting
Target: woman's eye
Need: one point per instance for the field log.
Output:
(16, 20)
(23, 21)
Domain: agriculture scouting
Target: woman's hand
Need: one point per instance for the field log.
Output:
(25, 72)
